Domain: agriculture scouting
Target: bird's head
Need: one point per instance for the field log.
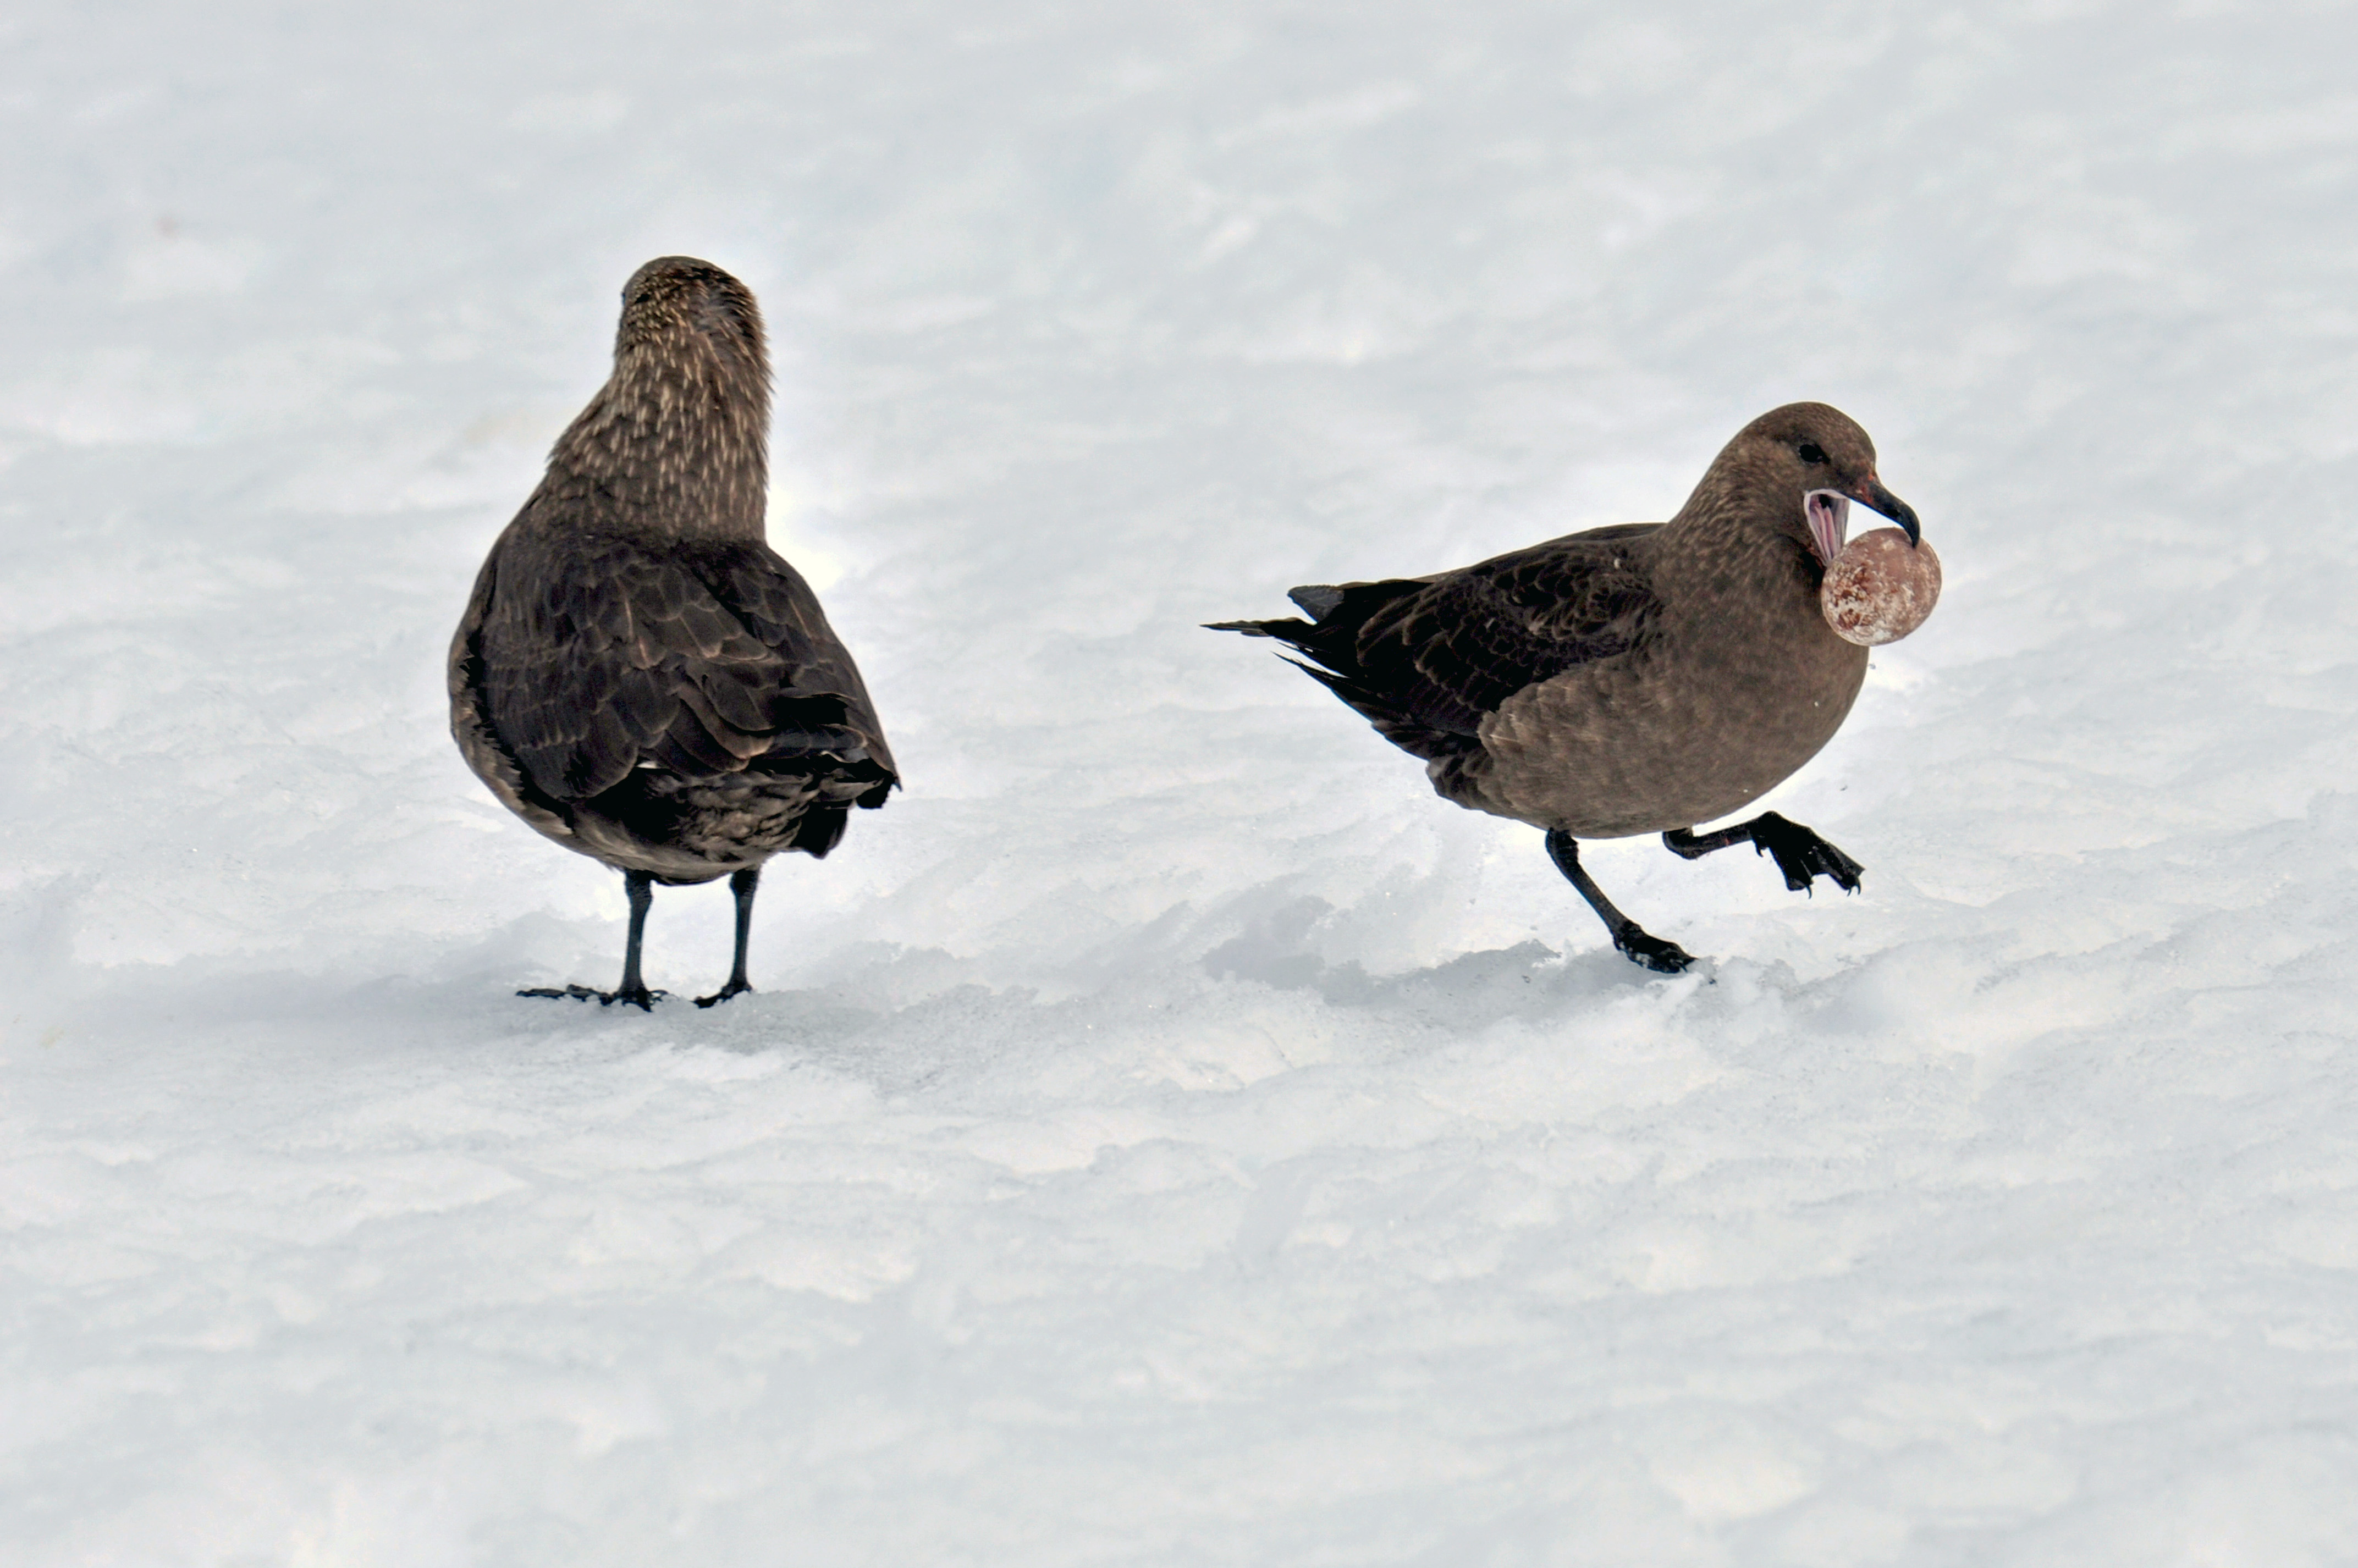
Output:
(677, 303)
(1818, 456)
(677, 439)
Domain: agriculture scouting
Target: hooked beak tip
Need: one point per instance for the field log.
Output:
(1872, 494)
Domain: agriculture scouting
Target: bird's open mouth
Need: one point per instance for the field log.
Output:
(1828, 515)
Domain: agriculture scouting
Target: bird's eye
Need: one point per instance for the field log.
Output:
(1811, 452)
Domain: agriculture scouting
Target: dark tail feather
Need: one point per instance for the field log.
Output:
(1393, 723)
(1332, 633)
(1317, 600)
(1343, 686)
(1331, 637)
(820, 830)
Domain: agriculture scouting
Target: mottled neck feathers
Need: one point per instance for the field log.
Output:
(676, 440)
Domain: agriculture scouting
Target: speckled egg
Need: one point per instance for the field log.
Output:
(1880, 587)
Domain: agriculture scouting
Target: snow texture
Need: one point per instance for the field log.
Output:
(1167, 1134)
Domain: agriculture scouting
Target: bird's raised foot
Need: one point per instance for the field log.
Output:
(640, 998)
(1801, 855)
(1652, 952)
(734, 987)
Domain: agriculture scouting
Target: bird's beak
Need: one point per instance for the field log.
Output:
(1870, 493)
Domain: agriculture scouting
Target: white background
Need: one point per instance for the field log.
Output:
(1167, 1134)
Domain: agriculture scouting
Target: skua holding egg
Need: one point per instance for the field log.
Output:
(1645, 676)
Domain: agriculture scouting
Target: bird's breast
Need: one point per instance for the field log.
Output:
(1704, 719)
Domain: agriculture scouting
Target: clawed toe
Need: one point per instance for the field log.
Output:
(1801, 855)
(562, 993)
(734, 987)
(1652, 952)
(640, 997)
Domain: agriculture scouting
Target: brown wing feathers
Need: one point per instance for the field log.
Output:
(610, 657)
(1425, 659)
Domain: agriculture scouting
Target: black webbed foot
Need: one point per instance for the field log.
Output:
(734, 987)
(638, 997)
(1801, 855)
(1651, 952)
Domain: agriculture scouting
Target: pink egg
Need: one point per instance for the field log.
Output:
(1880, 587)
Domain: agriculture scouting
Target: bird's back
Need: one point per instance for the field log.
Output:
(676, 706)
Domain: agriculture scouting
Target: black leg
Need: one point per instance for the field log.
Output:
(1799, 853)
(741, 886)
(1665, 957)
(639, 887)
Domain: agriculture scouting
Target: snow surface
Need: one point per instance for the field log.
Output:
(1168, 1134)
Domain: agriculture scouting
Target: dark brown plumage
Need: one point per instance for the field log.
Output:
(1638, 678)
(638, 674)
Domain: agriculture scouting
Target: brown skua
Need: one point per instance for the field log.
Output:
(1637, 679)
(638, 674)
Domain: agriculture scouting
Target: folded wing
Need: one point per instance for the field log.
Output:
(1424, 659)
(702, 660)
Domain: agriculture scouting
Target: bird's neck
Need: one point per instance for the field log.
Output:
(1728, 526)
(1734, 568)
(676, 442)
